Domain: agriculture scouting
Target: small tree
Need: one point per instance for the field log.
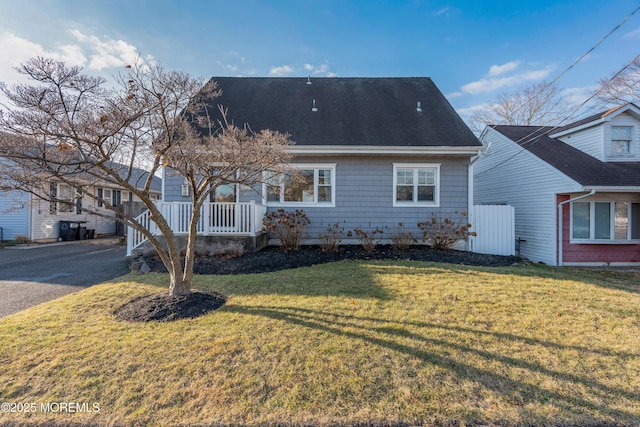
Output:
(67, 127)
(535, 105)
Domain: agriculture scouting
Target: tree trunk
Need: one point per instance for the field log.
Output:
(179, 286)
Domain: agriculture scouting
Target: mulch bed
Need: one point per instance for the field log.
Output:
(164, 307)
(273, 258)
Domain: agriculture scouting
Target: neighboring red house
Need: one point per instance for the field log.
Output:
(575, 189)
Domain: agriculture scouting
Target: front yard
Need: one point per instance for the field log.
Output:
(347, 343)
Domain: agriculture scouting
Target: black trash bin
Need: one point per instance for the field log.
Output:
(82, 231)
(68, 230)
(91, 233)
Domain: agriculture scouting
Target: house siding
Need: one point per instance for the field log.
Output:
(364, 194)
(507, 174)
(587, 140)
(14, 214)
(46, 227)
(172, 183)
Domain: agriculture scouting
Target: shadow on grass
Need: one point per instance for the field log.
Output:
(400, 339)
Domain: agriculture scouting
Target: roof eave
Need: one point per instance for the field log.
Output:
(579, 128)
(613, 189)
(370, 149)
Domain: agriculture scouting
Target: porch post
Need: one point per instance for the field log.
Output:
(254, 215)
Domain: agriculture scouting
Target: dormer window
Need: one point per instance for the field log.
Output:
(621, 138)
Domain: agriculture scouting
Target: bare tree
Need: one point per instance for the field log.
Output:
(67, 127)
(536, 105)
(621, 87)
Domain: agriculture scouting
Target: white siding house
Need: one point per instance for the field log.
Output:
(499, 167)
(575, 189)
(25, 214)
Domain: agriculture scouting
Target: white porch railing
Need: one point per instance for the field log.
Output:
(240, 219)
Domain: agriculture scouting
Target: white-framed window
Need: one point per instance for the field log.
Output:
(66, 198)
(310, 185)
(112, 197)
(224, 193)
(416, 184)
(621, 140)
(605, 222)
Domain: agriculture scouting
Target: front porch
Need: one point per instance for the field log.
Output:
(216, 219)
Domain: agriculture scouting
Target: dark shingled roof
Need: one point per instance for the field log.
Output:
(593, 118)
(350, 111)
(583, 168)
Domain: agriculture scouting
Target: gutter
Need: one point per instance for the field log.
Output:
(369, 149)
(560, 230)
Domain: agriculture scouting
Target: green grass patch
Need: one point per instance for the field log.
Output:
(376, 343)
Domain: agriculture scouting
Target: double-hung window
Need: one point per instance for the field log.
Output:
(307, 185)
(621, 140)
(416, 184)
(66, 198)
(605, 222)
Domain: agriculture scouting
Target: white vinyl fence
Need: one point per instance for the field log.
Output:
(495, 229)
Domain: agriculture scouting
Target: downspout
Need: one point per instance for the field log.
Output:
(560, 230)
(472, 160)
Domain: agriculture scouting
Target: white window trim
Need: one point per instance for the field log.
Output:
(66, 203)
(632, 143)
(592, 225)
(315, 204)
(415, 166)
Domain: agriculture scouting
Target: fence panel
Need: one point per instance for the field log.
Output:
(495, 229)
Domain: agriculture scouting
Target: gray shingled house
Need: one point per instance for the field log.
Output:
(575, 188)
(373, 151)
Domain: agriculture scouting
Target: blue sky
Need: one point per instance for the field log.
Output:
(473, 50)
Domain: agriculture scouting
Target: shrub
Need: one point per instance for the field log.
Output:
(444, 233)
(330, 240)
(20, 239)
(288, 227)
(402, 240)
(368, 239)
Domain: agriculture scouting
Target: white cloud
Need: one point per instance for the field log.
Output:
(319, 70)
(633, 35)
(108, 53)
(281, 71)
(577, 95)
(497, 70)
(468, 111)
(17, 50)
(89, 51)
(491, 84)
(446, 11)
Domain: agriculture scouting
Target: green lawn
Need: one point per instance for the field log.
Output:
(382, 343)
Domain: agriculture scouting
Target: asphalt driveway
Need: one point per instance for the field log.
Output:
(35, 274)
